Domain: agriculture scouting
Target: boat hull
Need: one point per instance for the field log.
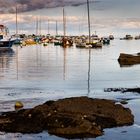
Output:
(4, 45)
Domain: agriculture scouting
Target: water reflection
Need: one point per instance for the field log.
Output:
(125, 66)
(62, 72)
(51, 73)
(64, 64)
(5, 58)
(89, 63)
(130, 64)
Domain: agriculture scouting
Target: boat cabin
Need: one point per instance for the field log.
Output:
(3, 31)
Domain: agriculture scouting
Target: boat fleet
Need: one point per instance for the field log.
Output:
(83, 41)
(67, 41)
(130, 37)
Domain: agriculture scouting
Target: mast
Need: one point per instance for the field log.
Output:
(64, 29)
(40, 26)
(48, 26)
(88, 21)
(36, 25)
(64, 23)
(56, 28)
(16, 21)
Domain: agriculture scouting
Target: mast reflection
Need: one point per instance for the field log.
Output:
(5, 58)
(89, 66)
(64, 63)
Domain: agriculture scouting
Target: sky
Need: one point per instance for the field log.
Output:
(118, 17)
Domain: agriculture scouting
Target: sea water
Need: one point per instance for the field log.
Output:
(35, 74)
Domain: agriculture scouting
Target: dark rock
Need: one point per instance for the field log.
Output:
(123, 90)
(123, 102)
(129, 59)
(76, 117)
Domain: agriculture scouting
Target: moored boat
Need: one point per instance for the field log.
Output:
(6, 41)
(90, 41)
(105, 40)
(111, 37)
(84, 43)
(137, 37)
(127, 37)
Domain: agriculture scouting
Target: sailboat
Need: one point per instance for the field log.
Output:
(66, 42)
(91, 42)
(57, 40)
(18, 40)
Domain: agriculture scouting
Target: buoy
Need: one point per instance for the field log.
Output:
(18, 105)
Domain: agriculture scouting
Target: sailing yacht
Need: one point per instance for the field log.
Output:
(66, 42)
(89, 42)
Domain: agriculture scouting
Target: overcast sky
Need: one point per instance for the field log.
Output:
(107, 16)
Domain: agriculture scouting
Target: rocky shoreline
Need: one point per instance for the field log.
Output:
(76, 117)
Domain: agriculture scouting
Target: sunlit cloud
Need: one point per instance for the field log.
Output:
(74, 23)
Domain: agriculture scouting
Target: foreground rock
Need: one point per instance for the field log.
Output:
(129, 59)
(76, 117)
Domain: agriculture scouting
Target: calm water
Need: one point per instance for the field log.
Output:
(35, 74)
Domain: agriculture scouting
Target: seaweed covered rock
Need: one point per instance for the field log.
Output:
(76, 117)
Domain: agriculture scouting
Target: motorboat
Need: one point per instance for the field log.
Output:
(6, 41)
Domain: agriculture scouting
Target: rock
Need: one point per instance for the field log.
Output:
(123, 102)
(18, 105)
(76, 117)
(123, 90)
(129, 59)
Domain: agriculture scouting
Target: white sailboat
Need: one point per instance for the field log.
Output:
(66, 42)
(89, 42)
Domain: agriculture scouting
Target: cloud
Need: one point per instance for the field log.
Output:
(105, 14)
(9, 6)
